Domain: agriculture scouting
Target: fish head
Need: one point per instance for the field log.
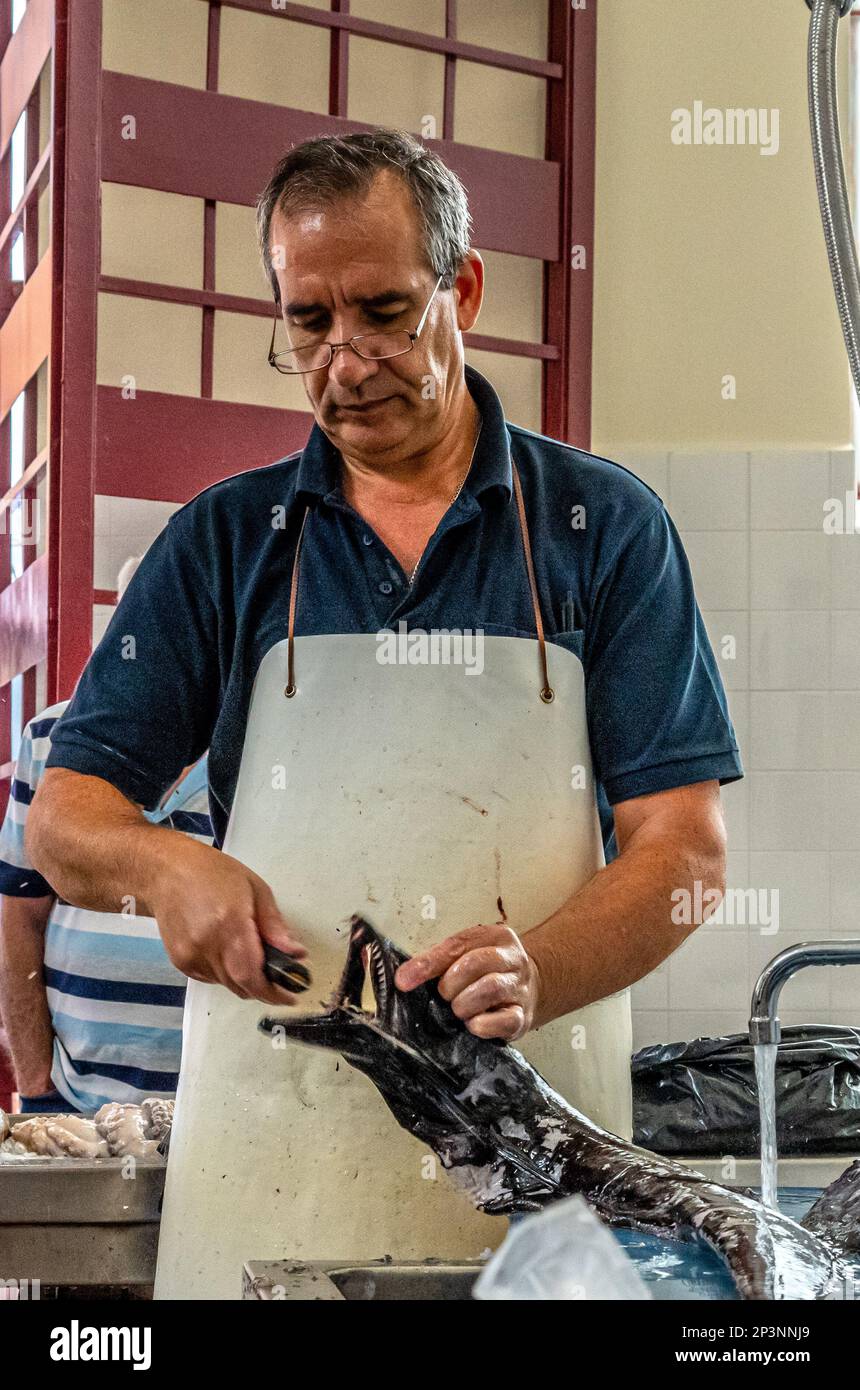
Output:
(466, 1097)
(407, 1041)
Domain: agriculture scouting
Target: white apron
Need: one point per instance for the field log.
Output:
(426, 799)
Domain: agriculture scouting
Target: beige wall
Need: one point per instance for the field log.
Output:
(710, 260)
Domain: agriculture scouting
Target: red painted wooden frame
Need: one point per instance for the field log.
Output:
(23, 602)
(76, 247)
(24, 314)
(568, 301)
(161, 157)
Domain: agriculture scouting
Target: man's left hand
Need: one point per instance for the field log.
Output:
(486, 974)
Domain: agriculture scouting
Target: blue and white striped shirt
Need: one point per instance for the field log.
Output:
(114, 996)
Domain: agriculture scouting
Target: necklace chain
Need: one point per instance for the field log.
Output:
(453, 499)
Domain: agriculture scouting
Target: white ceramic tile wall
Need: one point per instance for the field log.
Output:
(770, 575)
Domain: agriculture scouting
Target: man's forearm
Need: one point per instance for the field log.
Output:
(619, 927)
(99, 851)
(23, 1000)
(93, 845)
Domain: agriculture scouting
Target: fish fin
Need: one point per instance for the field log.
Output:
(835, 1217)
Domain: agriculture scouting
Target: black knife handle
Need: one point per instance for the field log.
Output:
(285, 970)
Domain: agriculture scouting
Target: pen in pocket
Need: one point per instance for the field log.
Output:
(567, 613)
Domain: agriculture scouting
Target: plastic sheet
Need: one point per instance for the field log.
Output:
(564, 1253)
(700, 1097)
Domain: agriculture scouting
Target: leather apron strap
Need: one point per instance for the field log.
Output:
(547, 693)
(290, 688)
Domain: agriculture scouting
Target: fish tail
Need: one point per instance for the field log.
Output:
(768, 1255)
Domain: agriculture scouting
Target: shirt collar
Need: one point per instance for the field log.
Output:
(319, 467)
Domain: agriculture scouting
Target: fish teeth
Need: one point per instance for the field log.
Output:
(377, 965)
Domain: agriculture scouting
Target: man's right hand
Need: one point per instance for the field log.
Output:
(214, 914)
(95, 847)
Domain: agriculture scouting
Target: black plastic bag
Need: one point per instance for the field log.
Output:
(700, 1097)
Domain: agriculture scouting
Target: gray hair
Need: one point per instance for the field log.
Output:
(126, 574)
(319, 172)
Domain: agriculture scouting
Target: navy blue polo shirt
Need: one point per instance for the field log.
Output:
(173, 673)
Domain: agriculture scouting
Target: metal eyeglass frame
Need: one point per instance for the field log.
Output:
(350, 342)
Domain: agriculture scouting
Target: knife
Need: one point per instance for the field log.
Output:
(285, 970)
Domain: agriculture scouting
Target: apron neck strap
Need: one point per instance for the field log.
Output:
(290, 688)
(547, 693)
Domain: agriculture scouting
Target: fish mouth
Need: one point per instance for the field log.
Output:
(370, 958)
(391, 1044)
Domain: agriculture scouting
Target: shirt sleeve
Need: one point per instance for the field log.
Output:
(146, 702)
(657, 710)
(18, 878)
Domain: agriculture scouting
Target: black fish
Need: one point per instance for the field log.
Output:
(836, 1215)
(514, 1144)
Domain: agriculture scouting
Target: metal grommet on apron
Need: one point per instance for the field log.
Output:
(380, 790)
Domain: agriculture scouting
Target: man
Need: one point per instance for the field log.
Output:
(460, 814)
(91, 1002)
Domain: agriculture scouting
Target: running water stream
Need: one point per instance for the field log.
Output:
(765, 1075)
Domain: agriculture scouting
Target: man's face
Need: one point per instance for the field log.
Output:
(357, 267)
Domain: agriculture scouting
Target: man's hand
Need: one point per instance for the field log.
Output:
(487, 976)
(98, 850)
(214, 914)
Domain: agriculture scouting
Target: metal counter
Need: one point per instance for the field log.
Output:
(70, 1221)
(335, 1280)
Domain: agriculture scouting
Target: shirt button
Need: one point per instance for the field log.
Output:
(386, 588)
(367, 540)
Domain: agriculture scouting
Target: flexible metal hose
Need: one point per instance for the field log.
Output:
(830, 171)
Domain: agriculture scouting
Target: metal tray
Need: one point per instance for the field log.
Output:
(362, 1280)
(67, 1221)
(72, 1191)
(122, 1255)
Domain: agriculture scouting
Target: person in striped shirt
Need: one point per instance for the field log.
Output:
(91, 1002)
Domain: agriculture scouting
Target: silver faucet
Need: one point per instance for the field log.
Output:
(764, 1026)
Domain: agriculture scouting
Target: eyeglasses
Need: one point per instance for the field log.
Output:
(373, 347)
